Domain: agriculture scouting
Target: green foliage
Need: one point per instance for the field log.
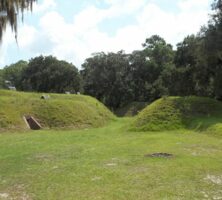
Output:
(60, 111)
(212, 50)
(108, 78)
(118, 79)
(185, 54)
(149, 68)
(195, 68)
(158, 51)
(217, 7)
(47, 74)
(198, 60)
(1, 79)
(186, 75)
(14, 72)
(170, 113)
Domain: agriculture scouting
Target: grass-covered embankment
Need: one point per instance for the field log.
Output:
(172, 113)
(59, 111)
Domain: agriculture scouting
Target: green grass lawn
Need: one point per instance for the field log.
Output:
(109, 164)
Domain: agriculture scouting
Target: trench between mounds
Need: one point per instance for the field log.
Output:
(32, 123)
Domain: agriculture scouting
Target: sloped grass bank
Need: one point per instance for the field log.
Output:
(131, 109)
(59, 111)
(109, 163)
(170, 113)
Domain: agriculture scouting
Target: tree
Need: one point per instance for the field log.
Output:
(208, 68)
(149, 66)
(14, 72)
(107, 77)
(117, 79)
(9, 11)
(158, 50)
(185, 73)
(140, 76)
(47, 74)
(217, 6)
(185, 54)
(1, 79)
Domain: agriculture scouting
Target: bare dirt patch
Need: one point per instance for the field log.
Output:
(111, 164)
(44, 157)
(214, 179)
(4, 195)
(96, 178)
(212, 195)
(159, 155)
(16, 192)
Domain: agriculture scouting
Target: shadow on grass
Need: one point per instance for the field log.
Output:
(211, 124)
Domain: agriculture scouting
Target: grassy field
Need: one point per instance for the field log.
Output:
(109, 163)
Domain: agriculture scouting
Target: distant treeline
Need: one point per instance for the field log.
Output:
(194, 68)
(41, 74)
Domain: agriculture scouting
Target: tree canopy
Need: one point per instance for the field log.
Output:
(194, 68)
(118, 78)
(47, 74)
(42, 74)
(14, 72)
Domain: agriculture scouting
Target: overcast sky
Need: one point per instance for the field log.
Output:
(74, 29)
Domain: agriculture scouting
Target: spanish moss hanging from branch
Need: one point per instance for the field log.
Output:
(9, 13)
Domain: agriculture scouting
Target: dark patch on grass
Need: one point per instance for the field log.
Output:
(159, 155)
